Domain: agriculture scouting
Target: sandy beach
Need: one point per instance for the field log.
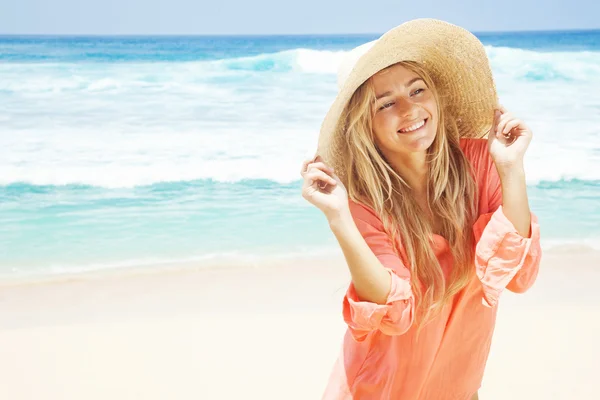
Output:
(265, 332)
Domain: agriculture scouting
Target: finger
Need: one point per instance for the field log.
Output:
(504, 116)
(497, 116)
(318, 175)
(306, 163)
(510, 125)
(305, 166)
(320, 165)
(504, 119)
(319, 159)
(494, 124)
(492, 133)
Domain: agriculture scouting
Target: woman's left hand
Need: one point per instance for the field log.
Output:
(508, 140)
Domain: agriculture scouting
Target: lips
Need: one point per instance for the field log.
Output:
(419, 125)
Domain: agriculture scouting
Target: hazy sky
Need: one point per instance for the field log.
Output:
(285, 17)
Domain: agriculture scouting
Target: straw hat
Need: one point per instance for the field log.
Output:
(453, 56)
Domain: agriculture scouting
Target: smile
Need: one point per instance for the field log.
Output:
(414, 127)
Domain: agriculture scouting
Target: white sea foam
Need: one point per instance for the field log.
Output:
(258, 117)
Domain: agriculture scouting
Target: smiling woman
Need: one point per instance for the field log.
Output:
(433, 221)
(405, 117)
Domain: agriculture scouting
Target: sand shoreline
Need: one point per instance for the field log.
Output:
(590, 255)
(265, 332)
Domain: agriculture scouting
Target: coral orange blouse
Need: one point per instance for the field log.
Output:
(381, 357)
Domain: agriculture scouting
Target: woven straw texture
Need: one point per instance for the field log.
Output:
(453, 56)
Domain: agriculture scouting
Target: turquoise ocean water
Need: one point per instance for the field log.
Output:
(123, 151)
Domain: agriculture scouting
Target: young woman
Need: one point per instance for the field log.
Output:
(432, 218)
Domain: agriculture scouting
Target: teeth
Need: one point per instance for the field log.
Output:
(413, 127)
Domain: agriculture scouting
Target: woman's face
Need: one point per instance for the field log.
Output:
(403, 104)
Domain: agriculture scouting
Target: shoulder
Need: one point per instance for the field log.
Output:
(364, 213)
(485, 173)
(476, 151)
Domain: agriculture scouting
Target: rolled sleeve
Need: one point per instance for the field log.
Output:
(392, 318)
(504, 258)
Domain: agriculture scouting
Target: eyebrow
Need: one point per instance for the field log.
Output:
(413, 80)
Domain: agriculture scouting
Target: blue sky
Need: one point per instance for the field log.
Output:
(285, 17)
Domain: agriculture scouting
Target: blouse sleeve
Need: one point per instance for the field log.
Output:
(396, 316)
(503, 258)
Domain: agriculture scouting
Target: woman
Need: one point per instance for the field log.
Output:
(433, 220)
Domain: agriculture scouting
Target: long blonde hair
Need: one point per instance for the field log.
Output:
(451, 197)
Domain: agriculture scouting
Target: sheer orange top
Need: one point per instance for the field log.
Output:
(382, 359)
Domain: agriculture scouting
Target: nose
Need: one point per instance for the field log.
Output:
(406, 109)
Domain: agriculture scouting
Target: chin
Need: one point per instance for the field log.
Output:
(419, 144)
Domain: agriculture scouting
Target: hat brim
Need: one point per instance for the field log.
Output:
(456, 61)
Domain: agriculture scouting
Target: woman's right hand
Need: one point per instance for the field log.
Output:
(323, 188)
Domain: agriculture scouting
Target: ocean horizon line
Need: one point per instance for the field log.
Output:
(268, 35)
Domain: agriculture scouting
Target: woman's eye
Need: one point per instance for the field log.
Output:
(388, 105)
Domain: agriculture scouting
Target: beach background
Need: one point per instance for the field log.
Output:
(153, 238)
(133, 151)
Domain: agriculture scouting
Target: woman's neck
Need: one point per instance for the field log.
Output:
(413, 169)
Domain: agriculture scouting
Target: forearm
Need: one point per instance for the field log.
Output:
(371, 280)
(515, 203)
